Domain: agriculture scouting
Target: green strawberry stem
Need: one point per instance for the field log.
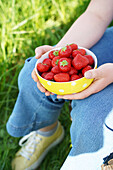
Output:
(56, 53)
(64, 63)
(64, 48)
(57, 62)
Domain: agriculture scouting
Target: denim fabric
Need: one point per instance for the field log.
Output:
(88, 115)
(33, 110)
(92, 119)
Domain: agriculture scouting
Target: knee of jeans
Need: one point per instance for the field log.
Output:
(9, 128)
(25, 78)
(17, 131)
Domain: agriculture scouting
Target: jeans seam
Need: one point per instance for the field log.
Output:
(29, 125)
(22, 127)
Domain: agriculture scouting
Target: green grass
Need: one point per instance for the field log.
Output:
(24, 25)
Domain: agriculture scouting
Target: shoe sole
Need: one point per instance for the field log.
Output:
(37, 163)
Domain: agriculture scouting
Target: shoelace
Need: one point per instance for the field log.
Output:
(29, 146)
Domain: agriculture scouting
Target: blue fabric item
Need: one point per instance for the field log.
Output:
(89, 114)
(33, 110)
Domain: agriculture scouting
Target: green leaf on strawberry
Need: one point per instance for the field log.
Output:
(64, 64)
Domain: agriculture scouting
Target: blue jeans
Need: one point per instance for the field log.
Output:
(33, 110)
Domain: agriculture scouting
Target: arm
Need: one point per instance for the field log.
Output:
(88, 28)
(86, 31)
(91, 25)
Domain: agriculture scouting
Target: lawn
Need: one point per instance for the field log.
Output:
(24, 25)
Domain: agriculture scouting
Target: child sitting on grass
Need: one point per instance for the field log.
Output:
(36, 111)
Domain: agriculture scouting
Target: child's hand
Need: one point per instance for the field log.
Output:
(102, 77)
(42, 49)
(39, 51)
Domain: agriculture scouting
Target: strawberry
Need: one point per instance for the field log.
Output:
(83, 52)
(42, 67)
(43, 74)
(88, 67)
(78, 51)
(80, 75)
(70, 59)
(49, 76)
(47, 61)
(65, 51)
(90, 58)
(55, 69)
(53, 54)
(80, 62)
(73, 71)
(64, 64)
(61, 77)
(75, 52)
(74, 77)
(73, 46)
(55, 61)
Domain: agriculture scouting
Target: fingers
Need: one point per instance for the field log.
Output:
(94, 73)
(47, 93)
(41, 50)
(42, 89)
(39, 85)
(34, 76)
(95, 87)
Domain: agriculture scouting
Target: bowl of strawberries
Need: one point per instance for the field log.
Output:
(61, 70)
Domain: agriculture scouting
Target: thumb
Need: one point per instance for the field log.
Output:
(41, 50)
(94, 73)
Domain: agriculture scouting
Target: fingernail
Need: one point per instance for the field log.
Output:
(35, 77)
(59, 97)
(88, 75)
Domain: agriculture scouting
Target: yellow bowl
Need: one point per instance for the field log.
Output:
(70, 87)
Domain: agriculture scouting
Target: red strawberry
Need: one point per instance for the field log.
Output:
(74, 77)
(62, 77)
(47, 61)
(73, 71)
(80, 75)
(70, 59)
(73, 46)
(88, 67)
(43, 74)
(55, 70)
(64, 64)
(90, 58)
(55, 61)
(53, 54)
(83, 52)
(80, 62)
(75, 52)
(78, 51)
(49, 76)
(65, 51)
(42, 67)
